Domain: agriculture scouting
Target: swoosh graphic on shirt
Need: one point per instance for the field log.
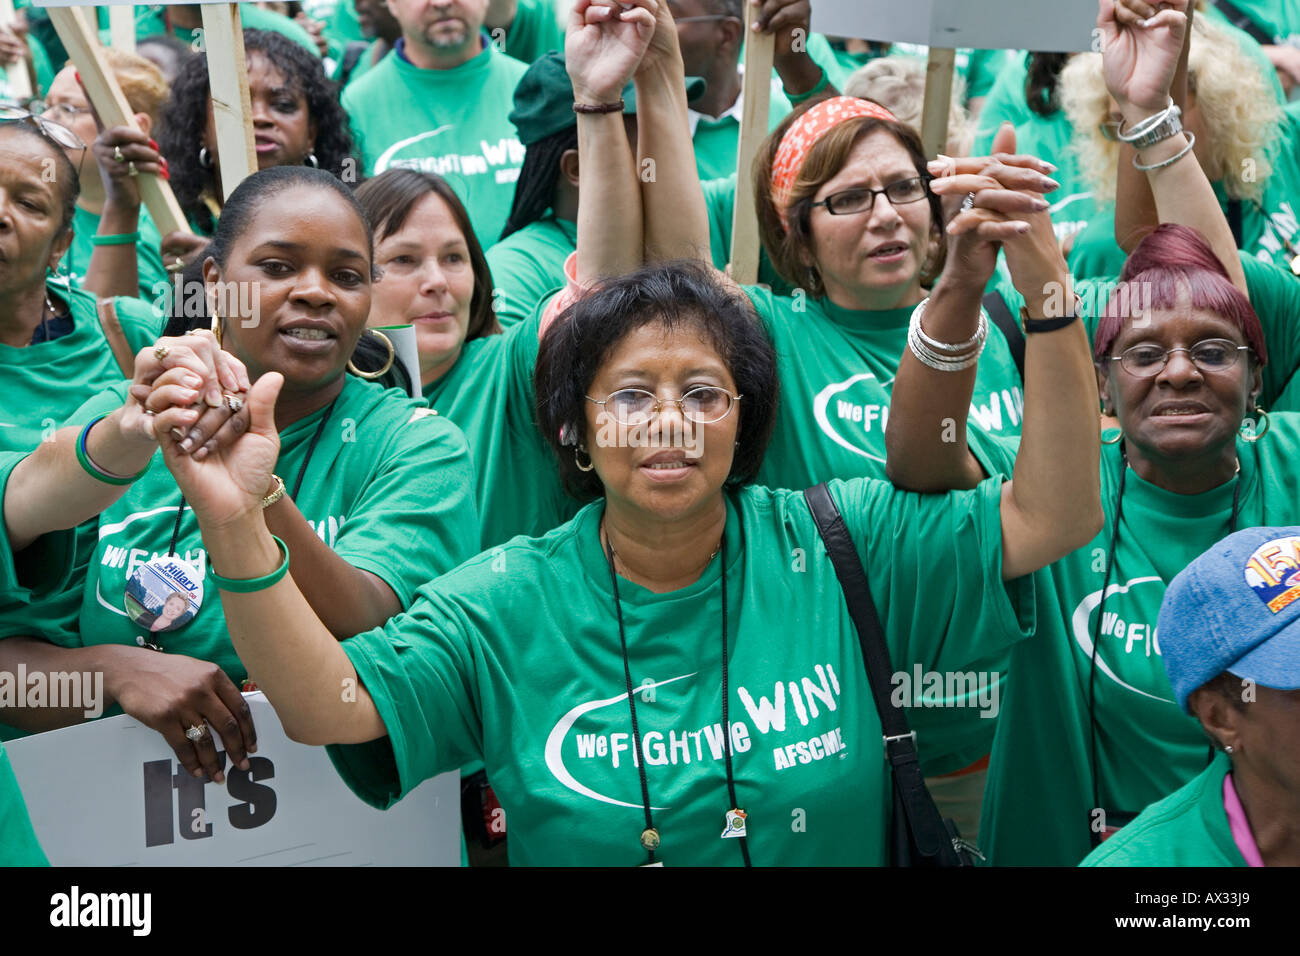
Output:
(823, 399)
(100, 598)
(381, 163)
(116, 526)
(1082, 636)
(555, 762)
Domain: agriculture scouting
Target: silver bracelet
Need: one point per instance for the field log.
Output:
(1191, 143)
(975, 341)
(917, 342)
(1148, 124)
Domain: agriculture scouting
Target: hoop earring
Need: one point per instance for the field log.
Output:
(216, 327)
(311, 161)
(1255, 435)
(589, 466)
(205, 158)
(392, 356)
(1119, 437)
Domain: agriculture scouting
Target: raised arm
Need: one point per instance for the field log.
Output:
(603, 48)
(926, 440)
(1144, 65)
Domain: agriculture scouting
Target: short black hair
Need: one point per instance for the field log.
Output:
(674, 295)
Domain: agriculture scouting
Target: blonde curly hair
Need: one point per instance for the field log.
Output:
(142, 83)
(1239, 113)
(898, 84)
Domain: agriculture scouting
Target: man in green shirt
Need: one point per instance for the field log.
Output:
(439, 104)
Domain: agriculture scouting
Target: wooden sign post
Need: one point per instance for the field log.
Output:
(756, 94)
(121, 27)
(20, 81)
(232, 109)
(106, 96)
(938, 100)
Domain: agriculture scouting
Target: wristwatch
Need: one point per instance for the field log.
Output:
(1050, 325)
(1170, 124)
(275, 494)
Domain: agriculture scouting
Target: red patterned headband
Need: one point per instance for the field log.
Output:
(803, 135)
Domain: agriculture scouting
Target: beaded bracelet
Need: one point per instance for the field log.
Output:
(92, 469)
(248, 585)
(121, 239)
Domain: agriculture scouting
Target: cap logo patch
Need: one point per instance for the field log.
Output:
(1273, 572)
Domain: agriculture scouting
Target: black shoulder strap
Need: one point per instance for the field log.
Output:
(1242, 21)
(922, 816)
(1001, 315)
(1234, 220)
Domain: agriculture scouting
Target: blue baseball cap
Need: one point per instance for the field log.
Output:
(1235, 608)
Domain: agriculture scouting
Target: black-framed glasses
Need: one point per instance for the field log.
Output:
(1209, 355)
(56, 133)
(863, 198)
(704, 405)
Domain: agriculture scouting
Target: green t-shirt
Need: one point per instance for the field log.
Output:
(838, 63)
(489, 658)
(716, 140)
(387, 488)
(149, 262)
(1270, 229)
(534, 32)
(342, 26)
(1039, 803)
(1278, 18)
(47, 382)
(720, 203)
(489, 394)
(150, 21)
(1275, 295)
(18, 843)
(1187, 828)
(38, 570)
(528, 264)
(451, 122)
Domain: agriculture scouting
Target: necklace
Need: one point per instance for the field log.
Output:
(1123, 817)
(735, 819)
(154, 589)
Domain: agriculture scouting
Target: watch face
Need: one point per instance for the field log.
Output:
(163, 594)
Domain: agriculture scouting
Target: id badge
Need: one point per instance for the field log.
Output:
(163, 594)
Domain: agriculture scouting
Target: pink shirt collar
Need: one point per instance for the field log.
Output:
(1238, 824)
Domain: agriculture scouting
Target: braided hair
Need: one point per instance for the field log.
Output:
(535, 189)
(185, 117)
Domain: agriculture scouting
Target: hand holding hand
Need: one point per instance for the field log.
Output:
(604, 46)
(1141, 46)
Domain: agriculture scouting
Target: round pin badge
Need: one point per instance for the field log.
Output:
(164, 594)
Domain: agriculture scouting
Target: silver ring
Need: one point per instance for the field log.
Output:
(131, 170)
(233, 402)
(197, 732)
(117, 154)
(968, 202)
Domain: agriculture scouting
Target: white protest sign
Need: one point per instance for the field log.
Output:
(1058, 26)
(111, 793)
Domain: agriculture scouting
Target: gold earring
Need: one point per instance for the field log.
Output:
(578, 461)
(1254, 434)
(392, 356)
(216, 327)
(1119, 437)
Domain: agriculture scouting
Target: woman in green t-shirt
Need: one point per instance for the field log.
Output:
(115, 245)
(297, 120)
(1232, 652)
(375, 493)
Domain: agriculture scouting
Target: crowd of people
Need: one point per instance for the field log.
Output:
(1046, 378)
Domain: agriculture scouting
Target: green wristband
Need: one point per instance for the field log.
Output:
(797, 98)
(248, 585)
(121, 239)
(92, 469)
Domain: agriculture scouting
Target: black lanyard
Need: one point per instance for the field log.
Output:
(650, 836)
(297, 485)
(1101, 608)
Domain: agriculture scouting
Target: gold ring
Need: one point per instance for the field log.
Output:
(117, 154)
(160, 352)
(131, 170)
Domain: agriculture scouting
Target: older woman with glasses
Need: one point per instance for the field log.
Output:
(57, 348)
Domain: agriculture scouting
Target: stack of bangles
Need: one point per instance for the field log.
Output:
(92, 469)
(942, 356)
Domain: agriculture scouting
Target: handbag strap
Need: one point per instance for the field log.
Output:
(1242, 21)
(922, 816)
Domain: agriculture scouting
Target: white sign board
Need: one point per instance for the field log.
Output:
(111, 793)
(1058, 26)
(114, 3)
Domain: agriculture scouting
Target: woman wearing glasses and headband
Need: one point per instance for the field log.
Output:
(115, 245)
(374, 490)
(1089, 732)
(56, 347)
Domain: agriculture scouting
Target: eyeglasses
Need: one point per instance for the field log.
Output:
(863, 199)
(57, 134)
(703, 405)
(1211, 355)
(58, 112)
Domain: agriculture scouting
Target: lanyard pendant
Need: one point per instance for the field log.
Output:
(650, 838)
(163, 594)
(735, 824)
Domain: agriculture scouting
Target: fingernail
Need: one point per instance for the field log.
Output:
(1022, 227)
(77, 74)
(219, 777)
(1040, 205)
(1052, 185)
(200, 454)
(193, 381)
(187, 444)
(197, 773)
(214, 397)
(155, 146)
(244, 764)
(189, 395)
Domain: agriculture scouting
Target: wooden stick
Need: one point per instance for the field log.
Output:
(106, 96)
(20, 80)
(121, 27)
(938, 100)
(756, 95)
(232, 110)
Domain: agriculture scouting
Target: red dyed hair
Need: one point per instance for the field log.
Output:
(1170, 263)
